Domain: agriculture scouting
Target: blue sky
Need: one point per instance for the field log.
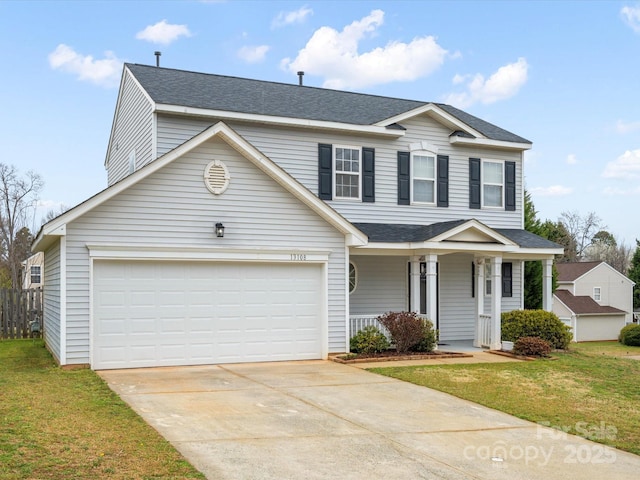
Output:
(565, 75)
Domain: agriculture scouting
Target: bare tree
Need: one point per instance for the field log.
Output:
(607, 248)
(581, 230)
(18, 196)
(54, 213)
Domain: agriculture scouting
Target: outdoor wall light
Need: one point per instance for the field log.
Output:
(219, 230)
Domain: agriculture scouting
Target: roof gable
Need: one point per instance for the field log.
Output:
(202, 91)
(585, 305)
(57, 226)
(573, 271)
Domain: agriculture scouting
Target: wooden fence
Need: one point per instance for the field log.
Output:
(20, 313)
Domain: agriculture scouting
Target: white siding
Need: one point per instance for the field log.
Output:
(51, 307)
(382, 285)
(615, 289)
(296, 150)
(513, 302)
(133, 131)
(172, 207)
(599, 328)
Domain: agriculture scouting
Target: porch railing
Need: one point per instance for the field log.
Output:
(484, 330)
(358, 322)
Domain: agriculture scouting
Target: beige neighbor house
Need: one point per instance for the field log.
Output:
(32, 270)
(247, 221)
(594, 299)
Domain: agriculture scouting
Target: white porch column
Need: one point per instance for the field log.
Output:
(432, 291)
(415, 285)
(547, 284)
(479, 293)
(496, 302)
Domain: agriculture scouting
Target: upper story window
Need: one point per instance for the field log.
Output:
(597, 296)
(492, 184)
(35, 274)
(347, 172)
(423, 177)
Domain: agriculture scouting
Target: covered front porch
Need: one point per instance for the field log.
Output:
(460, 275)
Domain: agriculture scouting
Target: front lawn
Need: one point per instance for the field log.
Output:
(585, 391)
(68, 424)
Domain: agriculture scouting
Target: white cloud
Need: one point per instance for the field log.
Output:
(163, 33)
(613, 191)
(104, 72)
(289, 18)
(552, 191)
(631, 16)
(253, 54)
(572, 159)
(334, 55)
(627, 127)
(503, 84)
(626, 166)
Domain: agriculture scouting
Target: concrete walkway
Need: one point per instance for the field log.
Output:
(322, 420)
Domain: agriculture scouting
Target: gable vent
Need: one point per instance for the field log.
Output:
(216, 177)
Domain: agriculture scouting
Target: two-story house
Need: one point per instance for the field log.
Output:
(594, 299)
(248, 220)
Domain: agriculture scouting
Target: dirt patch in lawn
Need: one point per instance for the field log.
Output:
(392, 355)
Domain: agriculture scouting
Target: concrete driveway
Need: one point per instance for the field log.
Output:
(320, 420)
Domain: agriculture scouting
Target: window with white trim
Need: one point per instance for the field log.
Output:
(423, 177)
(36, 274)
(597, 296)
(353, 277)
(347, 172)
(492, 184)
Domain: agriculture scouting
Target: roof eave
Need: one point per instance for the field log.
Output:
(488, 143)
(280, 121)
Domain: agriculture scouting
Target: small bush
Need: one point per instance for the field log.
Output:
(630, 335)
(406, 329)
(369, 340)
(429, 338)
(532, 347)
(535, 323)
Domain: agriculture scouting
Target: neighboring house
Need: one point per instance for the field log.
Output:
(33, 270)
(594, 299)
(253, 221)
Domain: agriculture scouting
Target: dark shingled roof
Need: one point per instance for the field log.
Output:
(568, 272)
(582, 305)
(218, 92)
(401, 233)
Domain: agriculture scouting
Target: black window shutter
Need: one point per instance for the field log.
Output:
(474, 183)
(325, 171)
(443, 181)
(510, 186)
(368, 174)
(473, 279)
(507, 279)
(404, 178)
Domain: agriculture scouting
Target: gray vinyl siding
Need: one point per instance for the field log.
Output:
(457, 315)
(51, 307)
(296, 150)
(172, 207)
(616, 290)
(381, 285)
(513, 302)
(133, 122)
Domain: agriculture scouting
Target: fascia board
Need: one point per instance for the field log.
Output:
(442, 116)
(280, 121)
(474, 224)
(488, 143)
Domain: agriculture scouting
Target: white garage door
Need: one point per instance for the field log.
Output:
(189, 313)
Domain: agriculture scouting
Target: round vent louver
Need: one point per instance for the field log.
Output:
(216, 177)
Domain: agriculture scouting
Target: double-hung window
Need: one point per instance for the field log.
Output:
(35, 274)
(493, 184)
(597, 295)
(423, 176)
(347, 172)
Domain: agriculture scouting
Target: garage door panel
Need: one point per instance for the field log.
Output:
(172, 313)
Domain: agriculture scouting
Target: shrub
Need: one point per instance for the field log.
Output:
(369, 340)
(406, 329)
(630, 335)
(532, 347)
(535, 323)
(429, 338)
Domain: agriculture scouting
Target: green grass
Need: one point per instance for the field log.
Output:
(583, 391)
(57, 423)
(615, 349)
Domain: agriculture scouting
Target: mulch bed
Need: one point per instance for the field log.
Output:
(392, 355)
